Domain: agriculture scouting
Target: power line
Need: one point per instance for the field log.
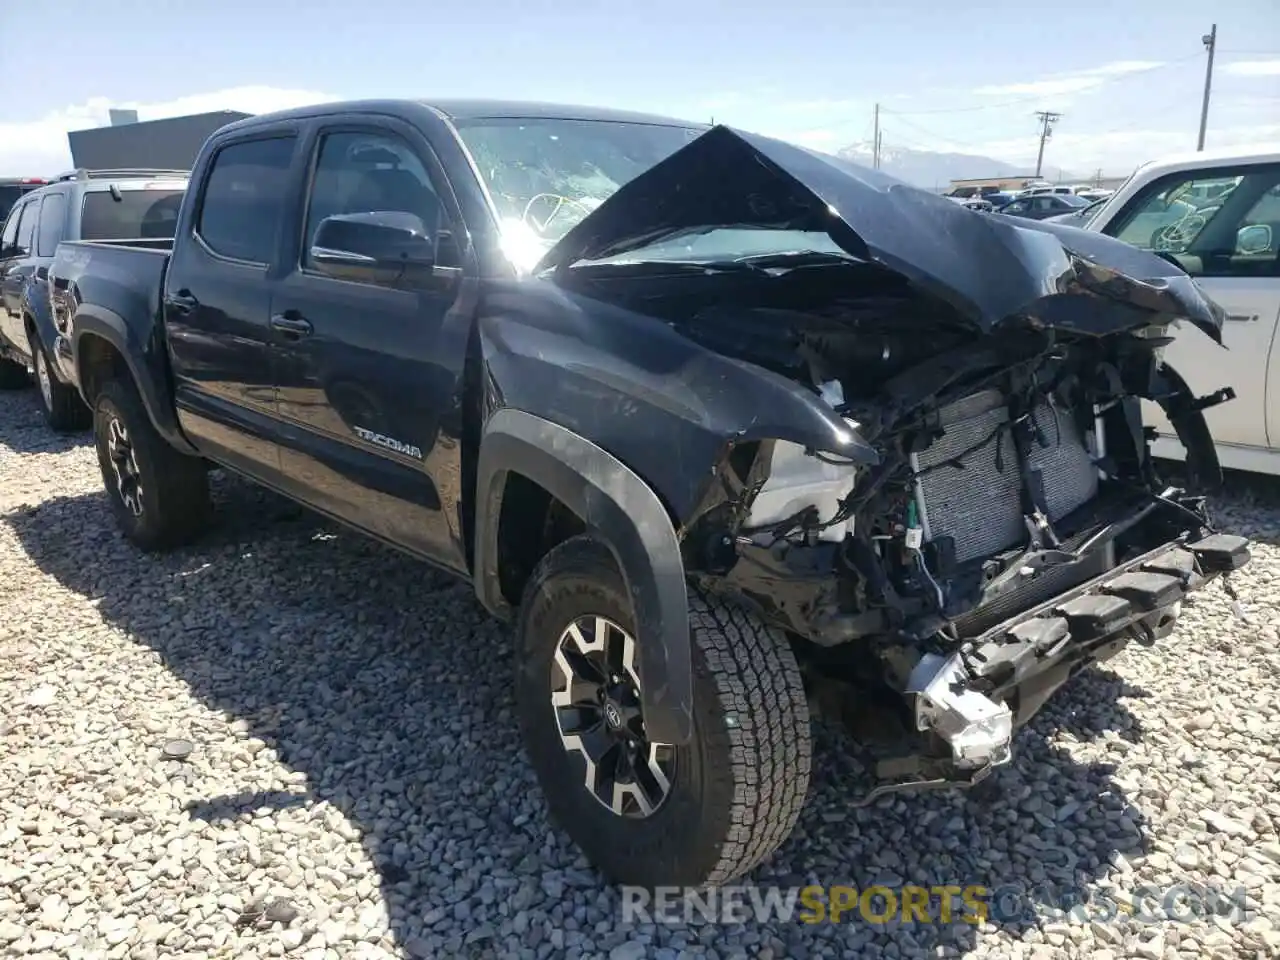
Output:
(1029, 99)
(929, 133)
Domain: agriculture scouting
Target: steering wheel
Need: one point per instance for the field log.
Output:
(1174, 237)
(560, 203)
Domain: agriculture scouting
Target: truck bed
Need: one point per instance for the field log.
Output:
(121, 277)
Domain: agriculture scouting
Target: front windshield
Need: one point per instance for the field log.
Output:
(546, 174)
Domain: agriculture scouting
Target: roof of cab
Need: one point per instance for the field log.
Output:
(464, 110)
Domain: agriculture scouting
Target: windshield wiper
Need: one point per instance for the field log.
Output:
(796, 258)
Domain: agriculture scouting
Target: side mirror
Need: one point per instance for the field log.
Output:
(1255, 238)
(383, 246)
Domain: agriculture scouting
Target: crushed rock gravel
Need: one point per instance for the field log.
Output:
(290, 741)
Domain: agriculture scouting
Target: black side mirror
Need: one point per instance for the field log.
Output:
(382, 246)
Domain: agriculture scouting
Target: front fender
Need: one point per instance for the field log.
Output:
(614, 501)
(100, 322)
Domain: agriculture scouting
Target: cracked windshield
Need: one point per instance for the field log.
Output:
(546, 176)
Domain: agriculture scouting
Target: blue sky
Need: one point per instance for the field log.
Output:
(1127, 74)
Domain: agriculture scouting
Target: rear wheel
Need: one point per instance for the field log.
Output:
(160, 497)
(648, 813)
(13, 375)
(63, 409)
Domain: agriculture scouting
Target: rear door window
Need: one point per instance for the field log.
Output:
(243, 198)
(130, 214)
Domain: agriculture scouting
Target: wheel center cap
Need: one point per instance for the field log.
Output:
(612, 714)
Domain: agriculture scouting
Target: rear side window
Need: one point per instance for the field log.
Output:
(243, 197)
(136, 215)
(52, 216)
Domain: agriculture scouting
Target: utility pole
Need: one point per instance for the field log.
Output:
(875, 142)
(1047, 120)
(1210, 41)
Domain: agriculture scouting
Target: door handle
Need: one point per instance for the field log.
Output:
(291, 326)
(1242, 317)
(181, 303)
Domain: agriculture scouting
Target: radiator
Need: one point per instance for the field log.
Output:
(979, 503)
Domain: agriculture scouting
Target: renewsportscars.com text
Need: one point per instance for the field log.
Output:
(934, 904)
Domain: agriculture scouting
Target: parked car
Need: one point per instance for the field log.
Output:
(690, 407)
(1224, 230)
(139, 207)
(1042, 206)
(12, 189)
(1079, 217)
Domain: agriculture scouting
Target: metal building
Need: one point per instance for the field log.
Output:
(159, 144)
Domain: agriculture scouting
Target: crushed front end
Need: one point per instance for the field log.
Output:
(932, 470)
(1014, 531)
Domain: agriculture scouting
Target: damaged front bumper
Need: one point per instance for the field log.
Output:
(973, 699)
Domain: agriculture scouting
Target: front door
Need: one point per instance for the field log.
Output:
(1225, 235)
(361, 372)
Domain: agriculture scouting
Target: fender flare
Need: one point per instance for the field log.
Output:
(633, 522)
(46, 332)
(111, 327)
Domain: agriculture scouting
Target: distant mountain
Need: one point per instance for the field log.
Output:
(924, 168)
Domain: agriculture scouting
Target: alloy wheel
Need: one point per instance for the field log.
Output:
(124, 463)
(595, 692)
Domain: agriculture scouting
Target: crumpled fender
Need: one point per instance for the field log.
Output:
(1187, 419)
(612, 499)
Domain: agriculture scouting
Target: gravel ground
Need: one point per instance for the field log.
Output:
(354, 785)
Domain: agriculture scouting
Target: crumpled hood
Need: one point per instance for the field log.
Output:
(989, 267)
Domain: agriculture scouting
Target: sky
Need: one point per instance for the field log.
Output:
(1127, 75)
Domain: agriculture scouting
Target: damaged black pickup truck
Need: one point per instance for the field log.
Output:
(705, 415)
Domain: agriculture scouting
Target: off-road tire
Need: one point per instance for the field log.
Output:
(64, 411)
(13, 375)
(737, 787)
(175, 498)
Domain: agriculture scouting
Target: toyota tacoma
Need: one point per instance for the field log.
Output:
(706, 416)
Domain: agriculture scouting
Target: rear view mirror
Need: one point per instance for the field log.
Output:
(1253, 239)
(383, 246)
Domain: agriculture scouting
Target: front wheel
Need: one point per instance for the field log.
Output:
(647, 813)
(160, 497)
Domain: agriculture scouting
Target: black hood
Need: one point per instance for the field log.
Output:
(989, 267)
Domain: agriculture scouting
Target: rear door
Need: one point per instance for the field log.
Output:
(363, 383)
(1237, 267)
(217, 302)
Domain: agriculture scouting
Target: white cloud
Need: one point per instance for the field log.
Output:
(1254, 68)
(1066, 83)
(39, 147)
